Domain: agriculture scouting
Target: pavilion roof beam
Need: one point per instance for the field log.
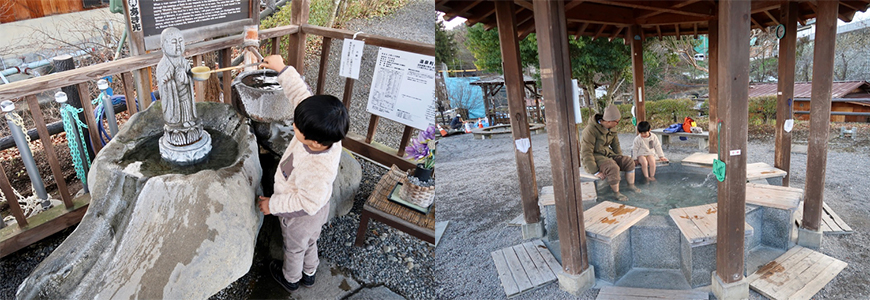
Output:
(482, 12)
(580, 30)
(761, 6)
(464, 9)
(601, 14)
(696, 30)
(751, 18)
(845, 13)
(572, 4)
(675, 6)
(524, 4)
(659, 30)
(526, 29)
(670, 18)
(769, 15)
(689, 11)
(615, 34)
(677, 29)
(600, 30)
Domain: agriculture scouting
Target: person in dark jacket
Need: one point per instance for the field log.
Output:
(456, 123)
(601, 154)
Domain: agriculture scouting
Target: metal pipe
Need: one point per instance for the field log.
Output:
(837, 113)
(23, 148)
(61, 98)
(108, 108)
(36, 64)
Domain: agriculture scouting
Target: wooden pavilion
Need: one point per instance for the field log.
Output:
(728, 24)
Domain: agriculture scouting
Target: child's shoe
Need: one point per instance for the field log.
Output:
(278, 275)
(307, 281)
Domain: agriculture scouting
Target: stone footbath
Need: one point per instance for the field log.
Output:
(662, 243)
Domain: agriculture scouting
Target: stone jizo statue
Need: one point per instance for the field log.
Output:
(184, 141)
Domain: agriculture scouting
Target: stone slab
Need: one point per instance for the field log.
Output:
(576, 284)
(655, 244)
(729, 291)
(375, 293)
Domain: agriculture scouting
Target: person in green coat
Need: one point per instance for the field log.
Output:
(601, 154)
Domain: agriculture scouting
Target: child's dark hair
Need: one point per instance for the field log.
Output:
(643, 126)
(598, 117)
(322, 118)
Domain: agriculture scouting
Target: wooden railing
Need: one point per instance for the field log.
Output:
(42, 225)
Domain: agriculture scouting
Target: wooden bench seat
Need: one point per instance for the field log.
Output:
(698, 223)
(775, 196)
(587, 190)
(666, 137)
(609, 219)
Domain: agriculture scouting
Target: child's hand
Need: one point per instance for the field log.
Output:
(274, 62)
(264, 203)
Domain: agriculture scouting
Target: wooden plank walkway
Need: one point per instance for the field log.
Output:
(800, 273)
(698, 223)
(524, 267)
(608, 219)
(831, 223)
(773, 196)
(587, 190)
(627, 293)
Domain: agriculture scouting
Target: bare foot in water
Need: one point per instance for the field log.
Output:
(633, 188)
(620, 197)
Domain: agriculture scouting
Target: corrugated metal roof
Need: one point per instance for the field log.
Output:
(804, 89)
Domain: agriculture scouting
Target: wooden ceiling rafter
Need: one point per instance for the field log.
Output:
(751, 18)
(525, 4)
(598, 33)
(527, 29)
(676, 6)
(572, 4)
(769, 15)
(659, 30)
(695, 12)
(482, 11)
(696, 30)
(615, 33)
(468, 6)
(677, 29)
(580, 30)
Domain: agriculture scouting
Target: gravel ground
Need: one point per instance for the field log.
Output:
(484, 196)
(414, 22)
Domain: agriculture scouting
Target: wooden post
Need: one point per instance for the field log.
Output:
(198, 86)
(226, 77)
(373, 126)
(713, 82)
(734, 101)
(513, 80)
(562, 136)
(324, 65)
(12, 199)
(782, 156)
(635, 35)
(129, 93)
(48, 148)
(92, 124)
(406, 137)
(348, 92)
(63, 63)
(142, 77)
(820, 113)
(276, 45)
(296, 49)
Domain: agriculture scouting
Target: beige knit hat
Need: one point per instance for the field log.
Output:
(611, 113)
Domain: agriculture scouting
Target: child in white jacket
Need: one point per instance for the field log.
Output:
(306, 172)
(646, 149)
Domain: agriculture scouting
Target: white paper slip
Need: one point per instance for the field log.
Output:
(351, 58)
(403, 88)
(523, 145)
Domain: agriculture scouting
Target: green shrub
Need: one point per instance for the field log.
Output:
(762, 109)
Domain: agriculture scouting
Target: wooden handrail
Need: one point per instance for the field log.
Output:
(374, 40)
(19, 89)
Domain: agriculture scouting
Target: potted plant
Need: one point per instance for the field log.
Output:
(419, 186)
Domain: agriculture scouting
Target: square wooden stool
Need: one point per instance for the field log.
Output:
(380, 208)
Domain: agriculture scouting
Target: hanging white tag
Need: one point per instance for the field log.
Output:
(351, 58)
(734, 152)
(788, 125)
(523, 145)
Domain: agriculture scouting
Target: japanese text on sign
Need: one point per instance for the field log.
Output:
(403, 88)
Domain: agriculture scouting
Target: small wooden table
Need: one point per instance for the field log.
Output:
(666, 137)
(378, 207)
